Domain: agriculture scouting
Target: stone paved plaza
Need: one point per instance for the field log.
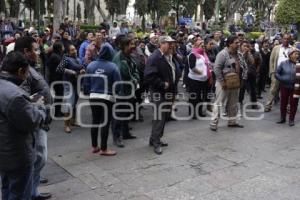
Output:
(261, 161)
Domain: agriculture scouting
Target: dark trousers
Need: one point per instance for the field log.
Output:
(198, 94)
(185, 76)
(252, 87)
(262, 82)
(121, 127)
(99, 117)
(159, 118)
(17, 184)
(59, 92)
(286, 95)
(137, 101)
(242, 91)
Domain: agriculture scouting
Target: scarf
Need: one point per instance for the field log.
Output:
(200, 53)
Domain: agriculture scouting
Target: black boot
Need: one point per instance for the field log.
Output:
(282, 121)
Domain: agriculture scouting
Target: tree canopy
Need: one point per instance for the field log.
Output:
(288, 12)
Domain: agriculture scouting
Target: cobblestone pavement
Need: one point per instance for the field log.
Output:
(261, 161)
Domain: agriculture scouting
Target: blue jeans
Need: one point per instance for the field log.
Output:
(17, 184)
(72, 101)
(41, 158)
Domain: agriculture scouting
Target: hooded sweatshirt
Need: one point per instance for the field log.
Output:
(103, 74)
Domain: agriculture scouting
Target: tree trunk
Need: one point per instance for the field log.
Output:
(123, 6)
(30, 16)
(64, 8)
(15, 9)
(232, 9)
(58, 13)
(67, 8)
(143, 23)
(196, 13)
(298, 30)
(75, 9)
(201, 13)
(2, 7)
(49, 7)
(102, 13)
(89, 6)
(217, 11)
(177, 12)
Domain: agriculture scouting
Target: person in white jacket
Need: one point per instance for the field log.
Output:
(115, 30)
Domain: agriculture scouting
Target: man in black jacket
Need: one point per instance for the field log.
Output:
(19, 118)
(161, 75)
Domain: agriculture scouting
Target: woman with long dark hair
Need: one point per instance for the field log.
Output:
(51, 75)
(71, 68)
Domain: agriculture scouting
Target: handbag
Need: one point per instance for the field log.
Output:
(232, 80)
(231, 77)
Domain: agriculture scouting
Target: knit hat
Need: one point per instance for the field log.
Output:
(292, 50)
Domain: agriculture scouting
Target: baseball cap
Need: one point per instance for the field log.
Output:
(163, 39)
(152, 35)
(56, 36)
(292, 50)
(190, 37)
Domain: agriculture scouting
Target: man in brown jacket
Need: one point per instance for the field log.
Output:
(279, 54)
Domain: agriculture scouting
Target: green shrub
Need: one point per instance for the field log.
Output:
(89, 27)
(226, 33)
(254, 35)
(170, 29)
(140, 35)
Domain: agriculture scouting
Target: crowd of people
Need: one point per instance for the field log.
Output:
(119, 73)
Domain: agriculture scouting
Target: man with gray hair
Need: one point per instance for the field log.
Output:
(161, 74)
